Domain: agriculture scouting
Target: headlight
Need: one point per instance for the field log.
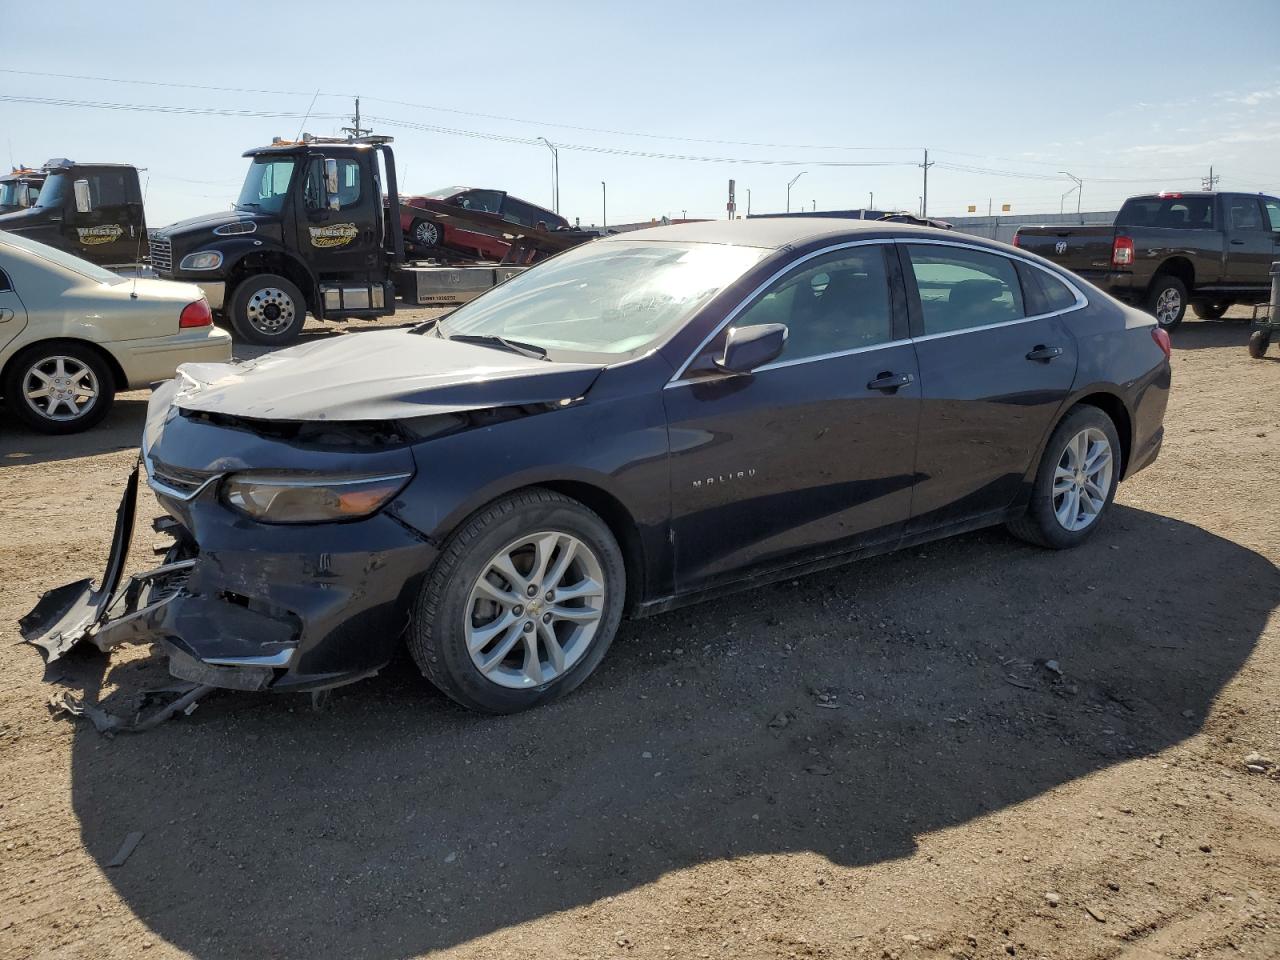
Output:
(205, 260)
(304, 498)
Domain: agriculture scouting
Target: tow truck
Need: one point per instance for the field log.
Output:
(92, 210)
(312, 232)
(19, 188)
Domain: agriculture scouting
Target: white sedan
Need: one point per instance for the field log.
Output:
(72, 334)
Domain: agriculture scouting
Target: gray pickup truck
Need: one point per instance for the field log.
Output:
(1168, 250)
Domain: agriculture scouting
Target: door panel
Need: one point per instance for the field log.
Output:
(985, 405)
(13, 315)
(1251, 243)
(110, 233)
(801, 458)
(342, 244)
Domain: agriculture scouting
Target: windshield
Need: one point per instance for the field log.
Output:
(611, 297)
(53, 192)
(266, 185)
(60, 259)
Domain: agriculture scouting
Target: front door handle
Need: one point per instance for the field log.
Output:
(5, 314)
(1043, 353)
(891, 381)
(1238, 243)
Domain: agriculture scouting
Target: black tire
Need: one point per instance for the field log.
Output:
(1214, 310)
(437, 638)
(426, 234)
(1259, 340)
(43, 357)
(1167, 286)
(267, 309)
(1040, 524)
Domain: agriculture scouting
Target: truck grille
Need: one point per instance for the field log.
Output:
(182, 481)
(161, 251)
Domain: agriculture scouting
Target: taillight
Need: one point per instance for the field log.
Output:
(1017, 240)
(196, 314)
(1122, 251)
(1161, 337)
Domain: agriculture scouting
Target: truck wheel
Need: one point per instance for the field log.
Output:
(59, 387)
(1259, 340)
(1211, 310)
(267, 309)
(1167, 300)
(425, 233)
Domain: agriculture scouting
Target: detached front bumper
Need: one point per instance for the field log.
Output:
(244, 606)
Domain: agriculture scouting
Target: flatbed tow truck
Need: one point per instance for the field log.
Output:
(312, 233)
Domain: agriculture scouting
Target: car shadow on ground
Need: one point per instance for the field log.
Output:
(845, 713)
(122, 428)
(1194, 334)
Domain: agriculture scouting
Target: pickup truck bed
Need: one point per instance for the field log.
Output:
(1167, 251)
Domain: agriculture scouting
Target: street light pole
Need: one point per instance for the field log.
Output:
(604, 205)
(1079, 190)
(792, 184)
(555, 174)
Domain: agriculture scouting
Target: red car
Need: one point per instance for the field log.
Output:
(427, 225)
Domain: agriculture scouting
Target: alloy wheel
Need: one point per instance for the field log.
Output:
(60, 388)
(270, 310)
(427, 234)
(535, 609)
(1168, 306)
(1082, 479)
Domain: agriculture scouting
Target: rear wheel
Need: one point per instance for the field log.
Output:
(1211, 310)
(522, 604)
(426, 233)
(1259, 340)
(1075, 483)
(1167, 300)
(267, 309)
(59, 387)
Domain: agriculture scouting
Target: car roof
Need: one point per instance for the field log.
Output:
(776, 232)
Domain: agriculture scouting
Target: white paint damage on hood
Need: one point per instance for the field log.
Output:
(385, 375)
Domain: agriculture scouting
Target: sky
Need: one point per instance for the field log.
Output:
(665, 102)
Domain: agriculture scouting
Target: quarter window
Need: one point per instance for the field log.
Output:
(5, 285)
(829, 305)
(960, 288)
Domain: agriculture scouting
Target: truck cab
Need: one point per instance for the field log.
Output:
(308, 233)
(91, 210)
(20, 189)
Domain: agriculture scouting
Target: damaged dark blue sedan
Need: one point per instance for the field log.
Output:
(647, 420)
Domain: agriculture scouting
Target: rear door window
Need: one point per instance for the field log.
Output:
(1245, 215)
(961, 289)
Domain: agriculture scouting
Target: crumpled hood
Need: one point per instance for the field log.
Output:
(388, 375)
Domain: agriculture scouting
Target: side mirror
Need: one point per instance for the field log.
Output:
(24, 196)
(331, 184)
(747, 348)
(84, 203)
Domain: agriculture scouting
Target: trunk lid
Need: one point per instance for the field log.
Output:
(1076, 247)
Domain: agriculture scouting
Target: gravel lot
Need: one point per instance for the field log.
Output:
(874, 761)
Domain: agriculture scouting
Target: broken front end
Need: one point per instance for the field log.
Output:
(295, 578)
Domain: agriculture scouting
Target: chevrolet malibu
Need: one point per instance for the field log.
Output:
(648, 420)
(72, 334)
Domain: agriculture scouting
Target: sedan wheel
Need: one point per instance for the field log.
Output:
(60, 387)
(426, 233)
(535, 609)
(1075, 481)
(521, 605)
(1082, 479)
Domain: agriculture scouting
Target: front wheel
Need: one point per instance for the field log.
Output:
(522, 604)
(59, 387)
(1259, 340)
(267, 309)
(426, 233)
(1167, 301)
(1075, 483)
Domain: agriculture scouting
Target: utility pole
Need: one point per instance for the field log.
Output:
(924, 196)
(356, 130)
(871, 200)
(1209, 182)
(604, 205)
(748, 201)
(1079, 191)
(555, 174)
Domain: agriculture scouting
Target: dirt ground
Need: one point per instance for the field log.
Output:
(875, 761)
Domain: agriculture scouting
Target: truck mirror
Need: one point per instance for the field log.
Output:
(331, 184)
(24, 195)
(84, 203)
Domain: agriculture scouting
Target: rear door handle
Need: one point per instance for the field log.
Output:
(1238, 243)
(1044, 353)
(891, 381)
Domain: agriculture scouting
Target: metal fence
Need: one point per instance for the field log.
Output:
(1003, 227)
